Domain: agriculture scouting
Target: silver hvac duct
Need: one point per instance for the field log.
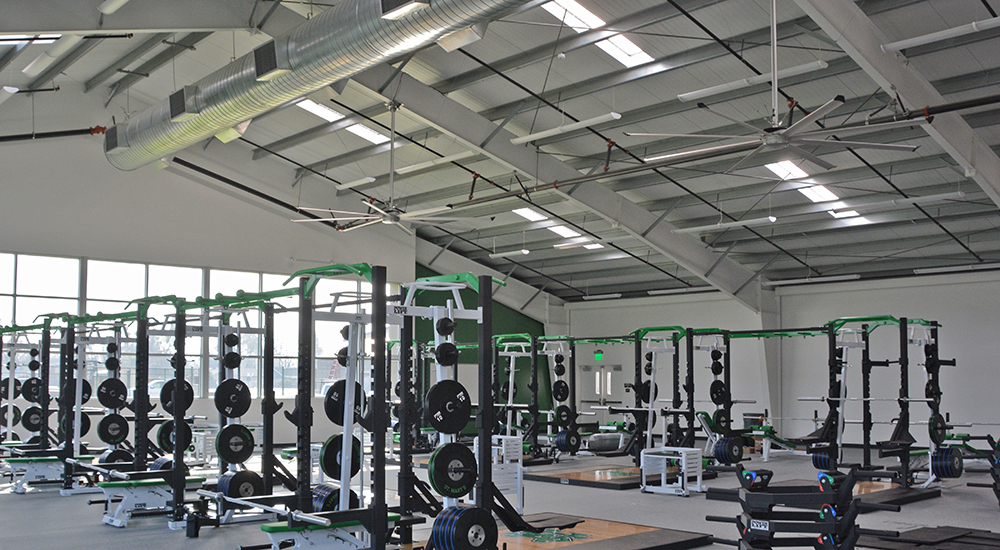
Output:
(334, 45)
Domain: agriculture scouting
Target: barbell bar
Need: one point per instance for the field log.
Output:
(907, 399)
(105, 471)
(295, 515)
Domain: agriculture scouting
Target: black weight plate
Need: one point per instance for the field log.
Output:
(112, 363)
(931, 391)
(112, 348)
(937, 428)
(232, 398)
(505, 390)
(717, 391)
(244, 484)
(234, 444)
(345, 332)
(326, 498)
(721, 420)
(330, 456)
(717, 368)
(232, 360)
(568, 441)
(716, 355)
(32, 419)
(445, 326)
(112, 393)
(333, 405)
(34, 365)
(112, 429)
(648, 369)
(119, 456)
(4, 386)
(84, 425)
(167, 394)
(446, 354)
(729, 450)
(3, 415)
(560, 369)
(644, 392)
(342, 356)
(464, 529)
(560, 391)
(167, 463)
(452, 470)
(564, 416)
(649, 356)
(559, 358)
(231, 340)
(398, 389)
(33, 352)
(447, 407)
(31, 390)
(165, 436)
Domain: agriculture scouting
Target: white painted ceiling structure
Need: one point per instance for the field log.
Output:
(585, 203)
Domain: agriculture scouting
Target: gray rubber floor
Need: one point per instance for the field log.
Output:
(45, 520)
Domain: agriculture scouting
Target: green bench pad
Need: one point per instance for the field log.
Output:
(282, 527)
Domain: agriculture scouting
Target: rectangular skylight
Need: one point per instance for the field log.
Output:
(818, 193)
(322, 111)
(367, 133)
(21, 38)
(529, 214)
(581, 19)
(593, 246)
(787, 170)
(564, 231)
(844, 214)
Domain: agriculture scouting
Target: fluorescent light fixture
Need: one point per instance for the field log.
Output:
(603, 296)
(752, 81)
(818, 193)
(529, 214)
(563, 231)
(955, 269)
(593, 246)
(957, 195)
(322, 111)
(48, 57)
(566, 128)
(576, 243)
(522, 252)
(683, 290)
(33, 38)
(435, 162)
(976, 26)
(830, 279)
(111, 6)
(844, 214)
(356, 183)
(787, 170)
(727, 225)
(396, 9)
(367, 133)
(6, 93)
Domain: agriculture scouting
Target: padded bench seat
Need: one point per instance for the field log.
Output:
(144, 483)
(282, 526)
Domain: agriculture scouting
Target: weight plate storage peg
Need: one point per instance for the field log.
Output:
(717, 391)
(330, 458)
(560, 391)
(333, 405)
(231, 340)
(464, 528)
(112, 429)
(447, 407)
(644, 392)
(326, 498)
(232, 360)
(234, 444)
(568, 441)
(452, 470)
(946, 462)
(31, 390)
(4, 388)
(167, 394)
(112, 363)
(112, 393)
(729, 450)
(445, 326)
(3, 415)
(32, 419)
(560, 369)
(165, 436)
(232, 398)
(564, 416)
(937, 429)
(446, 354)
(244, 484)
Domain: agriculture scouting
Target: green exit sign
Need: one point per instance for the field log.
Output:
(599, 355)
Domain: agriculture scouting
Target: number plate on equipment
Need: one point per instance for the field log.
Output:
(759, 525)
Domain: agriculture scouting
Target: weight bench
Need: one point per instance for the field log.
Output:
(338, 536)
(143, 494)
(769, 438)
(38, 470)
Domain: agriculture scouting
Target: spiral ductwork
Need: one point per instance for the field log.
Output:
(334, 45)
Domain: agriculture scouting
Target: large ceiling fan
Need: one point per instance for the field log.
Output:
(388, 214)
(785, 137)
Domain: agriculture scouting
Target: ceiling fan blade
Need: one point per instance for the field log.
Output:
(375, 208)
(424, 212)
(811, 157)
(643, 134)
(753, 129)
(845, 131)
(359, 226)
(405, 229)
(744, 160)
(858, 144)
(814, 116)
(332, 219)
(332, 211)
(432, 219)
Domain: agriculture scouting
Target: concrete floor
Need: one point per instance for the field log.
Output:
(45, 520)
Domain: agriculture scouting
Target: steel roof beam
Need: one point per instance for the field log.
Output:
(126, 60)
(157, 61)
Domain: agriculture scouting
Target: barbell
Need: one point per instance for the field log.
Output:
(295, 515)
(907, 399)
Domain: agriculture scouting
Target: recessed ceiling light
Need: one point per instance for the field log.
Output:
(787, 170)
(580, 19)
(844, 214)
(367, 133)
(529, 214)
(563, 231)
(322, 111)
(818, 193)
(593, 246)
